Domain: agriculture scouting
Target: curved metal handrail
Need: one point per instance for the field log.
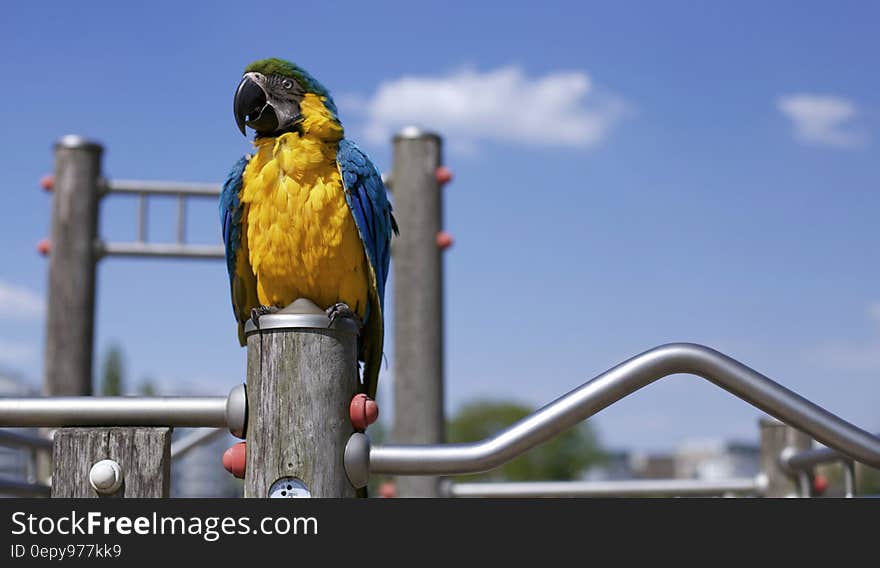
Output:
(604, 390)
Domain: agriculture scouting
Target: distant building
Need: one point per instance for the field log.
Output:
(652, 466)
(200, 473)
(695, 459)
(715, 459)
(15, 462)
(615, 466)
(620, 465)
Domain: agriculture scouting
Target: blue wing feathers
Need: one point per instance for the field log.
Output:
(366, 197)
(230, 213)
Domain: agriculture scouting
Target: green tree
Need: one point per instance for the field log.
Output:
(562, 458)
(113, 372)
(868, 480)
(148, 387)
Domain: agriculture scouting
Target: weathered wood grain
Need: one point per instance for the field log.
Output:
(418, 302)
(71, 297)
(144, 454)
(300, 383)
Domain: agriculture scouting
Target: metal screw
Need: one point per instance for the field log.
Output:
(105, 477)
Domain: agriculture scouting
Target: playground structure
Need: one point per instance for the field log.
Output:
(294, 353)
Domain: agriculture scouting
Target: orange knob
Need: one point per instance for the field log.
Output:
(443, 175)
(47, 182)
(444, 240)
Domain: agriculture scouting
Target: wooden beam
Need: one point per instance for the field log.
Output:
(418, 301)
(72, 258)
(144, 454)
(301, 378)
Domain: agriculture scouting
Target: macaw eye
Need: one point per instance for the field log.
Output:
(287, 83)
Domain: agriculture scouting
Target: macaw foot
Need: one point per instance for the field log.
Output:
(342, 310)
(261, 311)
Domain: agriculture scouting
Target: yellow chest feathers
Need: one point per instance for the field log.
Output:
(301, 238)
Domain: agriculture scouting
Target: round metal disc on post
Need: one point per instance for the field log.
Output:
(302, 374)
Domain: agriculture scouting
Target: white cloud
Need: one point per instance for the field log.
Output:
(822, 119)
(467, 106)
(17, 302)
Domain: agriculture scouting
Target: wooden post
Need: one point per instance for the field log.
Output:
(71, 306)
(776, 437)
(144, 455)
(418, 300)
(301, 377)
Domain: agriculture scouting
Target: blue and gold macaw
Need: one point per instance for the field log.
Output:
(307, 215)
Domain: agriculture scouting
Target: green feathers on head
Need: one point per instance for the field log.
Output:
(275, 66)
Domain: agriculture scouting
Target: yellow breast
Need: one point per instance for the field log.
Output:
(302, 239)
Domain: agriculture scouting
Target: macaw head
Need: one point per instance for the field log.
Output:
(269, 96)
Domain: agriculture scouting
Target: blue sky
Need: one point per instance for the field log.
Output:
(626, 176)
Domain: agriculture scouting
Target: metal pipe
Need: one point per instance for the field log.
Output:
(622, 488)
(610, 387)
(849, 479)
(808, 459)
(161, 187)
(12, 439)
(58, 411)
(185, 445)
(805, 484)
(181, 219)
(142, 218)
(175, 250)
(22, 489)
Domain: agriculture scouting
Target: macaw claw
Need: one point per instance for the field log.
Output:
(342, 310)
(261, 311)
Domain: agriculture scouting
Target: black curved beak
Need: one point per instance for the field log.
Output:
(252, 108)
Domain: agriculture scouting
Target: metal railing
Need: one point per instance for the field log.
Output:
(12, 439)
(802, 464)
(846, 440)
(31, 445)
(17, 488)
(181, 411)
(743, 382)
(620, 488)
(145, 189)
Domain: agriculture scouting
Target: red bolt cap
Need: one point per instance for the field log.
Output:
(363, 411)
(820, 484)
(235, 458)
(47, 182)
(444, 240)
(443, 175)
(388, 490)
(44, 246)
